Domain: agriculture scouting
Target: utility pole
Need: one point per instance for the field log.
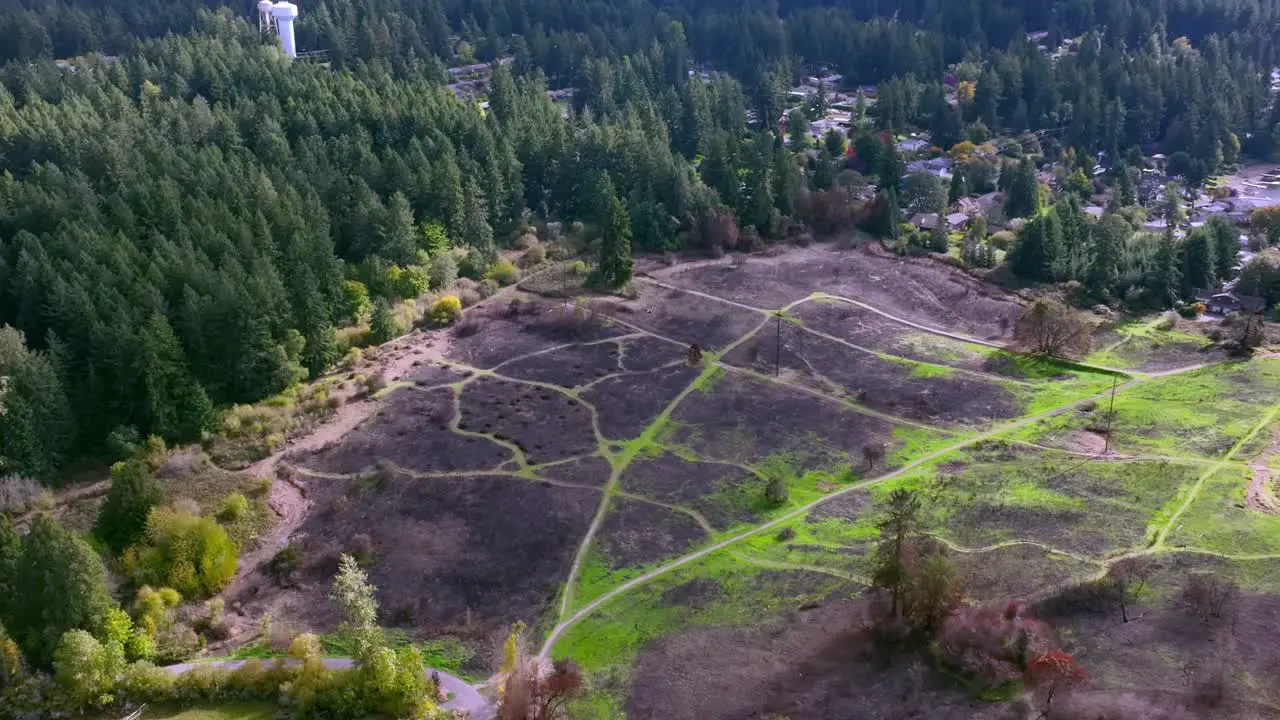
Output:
(1111, 413)
(777, 349)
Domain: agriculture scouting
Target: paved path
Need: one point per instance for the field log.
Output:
(462, 695)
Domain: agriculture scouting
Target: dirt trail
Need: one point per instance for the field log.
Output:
(1264, 489)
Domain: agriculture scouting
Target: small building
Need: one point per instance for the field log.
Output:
(938, 167)
(1095, 211)
(957, 221)
(912, 145)
(1229, 302)
(925, 221)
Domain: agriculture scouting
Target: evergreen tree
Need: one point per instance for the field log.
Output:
(64, 587)
(1226, 247)
(123, 516)
(1109, 240)
(476, 232)
(959, 188)
(614, 267)
(1039, 251)
(1022, 199)
(1198, 257)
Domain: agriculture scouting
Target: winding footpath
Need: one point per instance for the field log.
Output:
(463, 696)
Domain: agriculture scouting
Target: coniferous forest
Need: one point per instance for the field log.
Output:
(182, 206)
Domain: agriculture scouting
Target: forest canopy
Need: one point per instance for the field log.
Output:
(186, 217)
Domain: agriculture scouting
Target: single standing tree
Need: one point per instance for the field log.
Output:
(614, 268)
(355, 597)
(1050, 328)
(936, 592)
(923, 193)
(1051, 674)
(1022, 199)
(959, 188)
(896, 529)
(1128, 577)
(123, 516)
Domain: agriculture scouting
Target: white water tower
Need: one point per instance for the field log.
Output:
(266, 23)
(284, 13)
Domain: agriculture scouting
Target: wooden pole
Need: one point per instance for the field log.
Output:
(777, 349)
(1111, 413)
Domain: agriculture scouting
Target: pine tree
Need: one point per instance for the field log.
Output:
(1022, 199)
(476, 232)
(123, 516)
(899, 524)
(614, 267)
(959, 188)
(1039, 251)
(1198, 251)
(1108, 239)
(1226, 247)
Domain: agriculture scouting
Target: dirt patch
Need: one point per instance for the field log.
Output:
(410, 429)
(645, 353)
(638, 533)
(850, 506)
(591, 471)
(813, 665)
(501, 335)
(693, 594)
(1264, 489)
(465, 556)
(890, 387)
(1084, 442)
(626, 404)
(567, 366)
(684, 317)
(742, 419)
(545, 424)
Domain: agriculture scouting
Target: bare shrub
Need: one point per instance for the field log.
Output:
(1051, 328)
(18, 494)
(1128, 577)
(470, 325)
(361, 548)
(1209, 596)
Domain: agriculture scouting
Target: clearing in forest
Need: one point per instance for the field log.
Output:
(569, 466)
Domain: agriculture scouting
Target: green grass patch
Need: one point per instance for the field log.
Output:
(1196, 414)
(224, 711)
(1218, 520)
(607, 642)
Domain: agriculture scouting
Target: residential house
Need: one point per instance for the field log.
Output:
(939, 167)
(1095, 211)
(1230, 302)
(912, 145)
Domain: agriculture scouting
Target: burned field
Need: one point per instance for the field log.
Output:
(901, 388)
(412, 430)
(543, 425)
(463, 556)
(632, 486)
